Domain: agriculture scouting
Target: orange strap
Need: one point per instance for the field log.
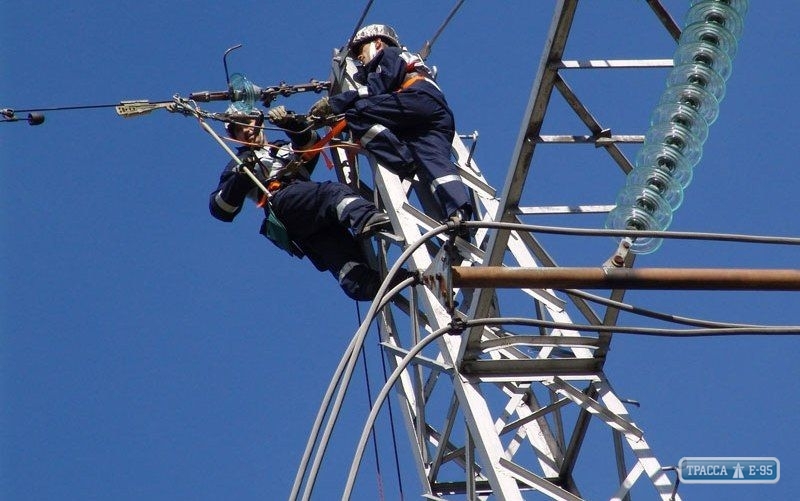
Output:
(272, 185)
(337, 128)
(411, 81)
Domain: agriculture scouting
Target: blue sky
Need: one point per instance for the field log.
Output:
(148, 351)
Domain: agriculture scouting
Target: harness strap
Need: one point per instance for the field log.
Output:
(337, 128)
(411, 81)
(264, 199)
(274, 185)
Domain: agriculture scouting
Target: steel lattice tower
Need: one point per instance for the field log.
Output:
(495, 409)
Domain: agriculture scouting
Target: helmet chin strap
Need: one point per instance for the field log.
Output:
(372, 51)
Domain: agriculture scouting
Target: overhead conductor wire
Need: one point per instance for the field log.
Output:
(344, 370)
(368, 384)
(343, 375)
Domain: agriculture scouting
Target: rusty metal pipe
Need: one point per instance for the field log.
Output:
(627, 278)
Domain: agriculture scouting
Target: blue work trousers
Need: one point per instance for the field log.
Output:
(407, 129)
(317, 217)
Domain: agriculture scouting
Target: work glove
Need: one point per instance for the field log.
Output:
(248, 159)
(286, 119)
(321, 109)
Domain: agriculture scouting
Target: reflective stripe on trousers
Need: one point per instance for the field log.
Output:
(342, 206)
(439, 181)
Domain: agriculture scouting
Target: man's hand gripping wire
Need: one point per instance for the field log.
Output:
(322, 112)
(295, 122)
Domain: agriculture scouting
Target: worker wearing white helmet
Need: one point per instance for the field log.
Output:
(400, 115)
(373, 32)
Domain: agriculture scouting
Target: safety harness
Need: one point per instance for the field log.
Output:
(417, 72)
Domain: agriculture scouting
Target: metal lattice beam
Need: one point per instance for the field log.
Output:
(494, 406)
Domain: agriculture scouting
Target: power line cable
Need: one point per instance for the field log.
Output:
(369, 401)
(69, 108)
(636, 310)
(394, 434)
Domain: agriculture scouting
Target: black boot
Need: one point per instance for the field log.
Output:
(406, 171)
(400, 276)
(367, 288)
(374, 224)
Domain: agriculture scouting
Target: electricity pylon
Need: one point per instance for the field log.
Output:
(503, 408)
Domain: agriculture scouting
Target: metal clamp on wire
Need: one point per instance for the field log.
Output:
(457, 326)
(455, 224)
(622, 257)
(324, 121)
(180, 105)
(33, 118)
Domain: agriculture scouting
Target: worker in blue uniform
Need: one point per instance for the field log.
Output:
(306, 218)
(400, 115)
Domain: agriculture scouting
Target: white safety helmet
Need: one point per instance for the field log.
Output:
(235, 111)
(373, 31)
